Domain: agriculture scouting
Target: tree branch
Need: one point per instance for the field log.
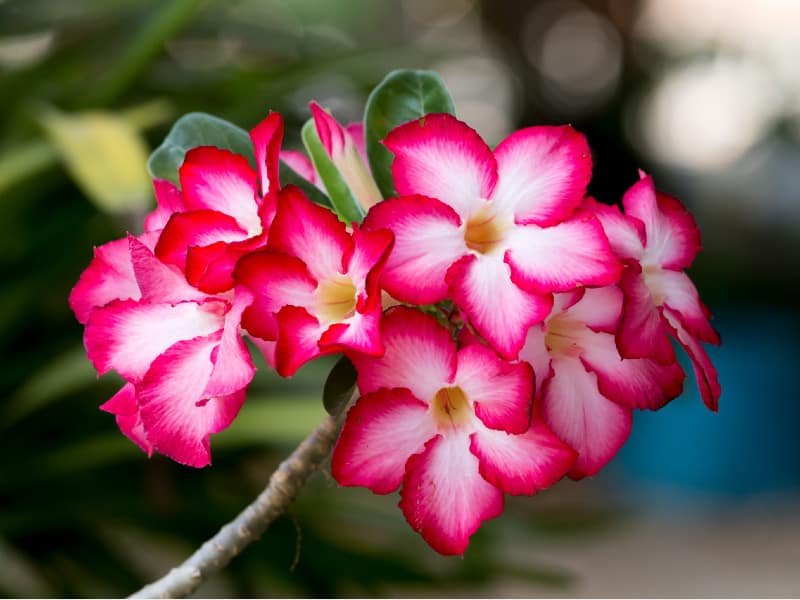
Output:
(248, 526)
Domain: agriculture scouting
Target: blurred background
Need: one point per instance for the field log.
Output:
(704, 94)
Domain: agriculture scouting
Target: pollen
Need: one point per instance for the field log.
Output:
(452, 408)
(336, 299)
(484, 231)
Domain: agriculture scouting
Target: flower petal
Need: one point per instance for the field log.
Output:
(127, 336)
(535, 353)
(556, 259)
(501, 392)
(576, 411)
(310, 232)
(420, 355)
(625, 234)
(210, 268)
(356, 131)
(158, 281)
(704, 371)
(195, 228)
(298, 340)
(233, 368)
(300, 164)
(125, 407)
(441, 157)
(542, 174)
(364, 264)
(267, 137)
(673, 238)
(169, 200)
(641, 332)
(677, 291)
(108, 277)
(381, 431)
(428, 240)
(276, 280)
(522, 464)
(500, 311)
(444, 497)
(220, 180)
(633, 382)
(177, 417)
(600, 309)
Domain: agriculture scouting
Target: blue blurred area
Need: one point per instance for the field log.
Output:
(752, 445)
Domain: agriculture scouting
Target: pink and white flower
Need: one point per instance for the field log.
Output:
(315, 286)
(451, 425)
(585, 390)
(178, 349)
(657, 239)
(497, 232)
(222, 210)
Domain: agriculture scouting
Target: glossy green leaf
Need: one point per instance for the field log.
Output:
(342, 200)
(201, 129)
(339, 386)
(403, 96)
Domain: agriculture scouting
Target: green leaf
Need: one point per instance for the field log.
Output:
(343, 202)
(339, 386)
(190, 131)
(201, 129)
(403, 96)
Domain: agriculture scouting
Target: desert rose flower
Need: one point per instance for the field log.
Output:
(451, 425)
(658, 238)
(316, 285)
(585, 390)
(498, 232)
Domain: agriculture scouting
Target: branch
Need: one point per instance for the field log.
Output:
(248, 526)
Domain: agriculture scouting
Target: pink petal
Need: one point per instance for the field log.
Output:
(535, 353)
(267, 137)
(127, 336)
(428, 240)
(176, 415)
(677, 291)
(499, 310)
(157, 281)
(210, 268)
(126, 409)
(267, 349)
(673, 239)
(542, 174)
(364, 264)
(359, 333)
(298, 340)
(222, 181)
(381, 431)
(633, 382)
(576, 411)
(169, 200)
(440, 157)
(420, 355)
(300, 164)
(233, 368)
(641, 331)
(704, 371)
(195, 228)
(556, 259)
(599, 308)
(522, 464)
(332, 135)
(625, 234)
(501, 392)
(356, 131)
(276, 280)
(108, 277)
(444, 497)
(310, 232)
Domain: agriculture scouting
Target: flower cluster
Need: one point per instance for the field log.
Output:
(503, 325)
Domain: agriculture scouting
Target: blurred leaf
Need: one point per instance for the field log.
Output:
(105, 156)
(339, 386)
(201, 129)
(344, 203)
(403, 96)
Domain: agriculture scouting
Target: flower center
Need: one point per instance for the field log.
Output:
(451, 408)
(336, 299)
(562, 335)
(484, 231)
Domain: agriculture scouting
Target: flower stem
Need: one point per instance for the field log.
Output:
(248, 526)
